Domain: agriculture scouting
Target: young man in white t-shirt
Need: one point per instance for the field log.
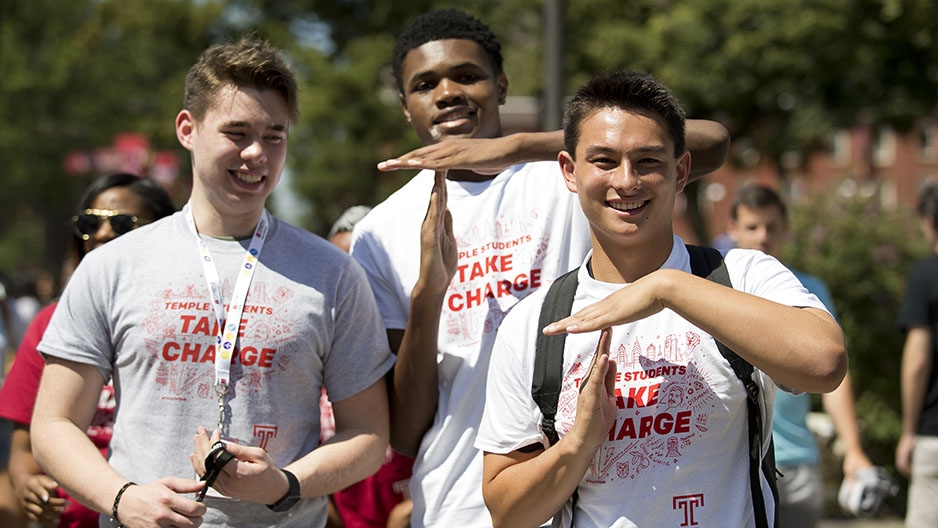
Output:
(652, 420)
(497, 228)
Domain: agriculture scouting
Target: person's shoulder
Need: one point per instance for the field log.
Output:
(526, 312)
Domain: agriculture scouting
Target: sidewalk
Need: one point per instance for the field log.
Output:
(861, 523)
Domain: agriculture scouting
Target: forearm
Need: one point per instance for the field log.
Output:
(535, 146)
(916, 364)
(839, 405)
(798, 347)
(22, 463)
(68, 456)
(356, 450)
(415, 393)
(346, 458)
(530, 492)
(708, 143)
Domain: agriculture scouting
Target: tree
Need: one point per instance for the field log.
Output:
(75, 74)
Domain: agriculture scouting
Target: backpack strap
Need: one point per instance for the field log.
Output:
(708, 262)
(548, 359)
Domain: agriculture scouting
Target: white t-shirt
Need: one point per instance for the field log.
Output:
(516, 233)
(677, 454)
(138, 308)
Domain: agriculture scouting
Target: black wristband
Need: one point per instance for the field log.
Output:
(292, 496)
(117, 500)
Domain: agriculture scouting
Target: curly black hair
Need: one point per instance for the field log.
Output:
(443, 24)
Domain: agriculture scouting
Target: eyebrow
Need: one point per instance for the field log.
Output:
(593, 150)
(455, 67)
(241, 124)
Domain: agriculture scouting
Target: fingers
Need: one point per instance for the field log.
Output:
(181, 485)
(600, 362)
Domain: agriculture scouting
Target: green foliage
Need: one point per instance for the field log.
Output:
(780, 74)
(863, 253)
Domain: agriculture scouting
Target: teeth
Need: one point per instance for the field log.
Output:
(627, 206)
(248, 178)
(454, 117)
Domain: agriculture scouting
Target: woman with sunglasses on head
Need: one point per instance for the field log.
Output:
(111, 206)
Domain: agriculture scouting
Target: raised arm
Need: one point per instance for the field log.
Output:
(415, 393)
(708, 142)
(813, 358)
(916, 364)
(482, 155)
(525, 488)
(66, 403)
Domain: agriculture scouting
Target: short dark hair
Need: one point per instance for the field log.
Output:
(156, 201)
(250, 62)
(756, 196)
(444, 24)
(628, 90)
(928, 202)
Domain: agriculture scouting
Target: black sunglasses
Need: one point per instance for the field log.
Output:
(88, 223)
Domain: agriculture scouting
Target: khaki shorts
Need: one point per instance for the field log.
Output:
(923, 486)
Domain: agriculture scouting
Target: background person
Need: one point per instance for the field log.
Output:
(759, 220)
(112, 206)
(917, 450)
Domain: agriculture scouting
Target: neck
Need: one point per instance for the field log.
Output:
(616, 264)
(212, 223)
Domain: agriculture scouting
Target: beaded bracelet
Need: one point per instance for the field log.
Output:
(117, 500)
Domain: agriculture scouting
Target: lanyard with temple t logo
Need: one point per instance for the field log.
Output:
(228, 324)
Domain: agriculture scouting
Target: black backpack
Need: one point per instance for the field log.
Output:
(705, 262)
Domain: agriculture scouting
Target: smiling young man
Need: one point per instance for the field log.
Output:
(652, 421)
(445, 275)
(219, 317)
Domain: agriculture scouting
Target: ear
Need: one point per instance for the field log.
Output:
(683, 170)
(185, 128)
(567, 167)
(502, 82)
(403, 101)
(731, 228)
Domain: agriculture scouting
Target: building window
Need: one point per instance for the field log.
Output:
(841, 148)
(884, 147)
(927, 141)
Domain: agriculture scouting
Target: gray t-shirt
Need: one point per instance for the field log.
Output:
(139, 309)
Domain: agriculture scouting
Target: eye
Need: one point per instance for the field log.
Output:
(468, 78)
(235, 134)
(423, 86)
(604, 162)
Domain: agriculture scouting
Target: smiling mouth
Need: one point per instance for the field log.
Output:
(248, 178)
(453, 116)
(627, 207)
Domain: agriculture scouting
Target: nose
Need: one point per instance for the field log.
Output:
(254, 152)
(104, 233)
(448, 92)
(625, 179)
